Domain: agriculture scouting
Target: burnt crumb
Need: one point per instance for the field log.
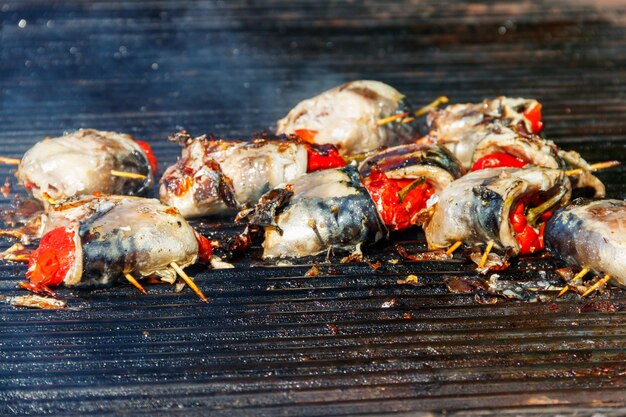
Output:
(553, 308)
(312, 272)
(599, 306)
(464, 284)
(436, 255)
(483, 297)
(333, 329)
(6, 188)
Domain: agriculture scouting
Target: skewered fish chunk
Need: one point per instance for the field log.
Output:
(591, 235)
(323, 210)
(92, 241)
(347, 116)
(461, 127)
(503, 205)
(218, 176)
(402, 179)
(81, 163)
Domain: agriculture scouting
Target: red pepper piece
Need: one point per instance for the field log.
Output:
(323, 157)
(49, 264)
(396, 214)
(204, 248)
(498, 160)
(145, 147)
(533, 115)
(306, 134)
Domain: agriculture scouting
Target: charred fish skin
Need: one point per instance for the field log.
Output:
(347, 116)
(432, 161)
(81, 163)
(328, 210)
(591, 234)
(118, 235)
(216, 177)
(475, 208)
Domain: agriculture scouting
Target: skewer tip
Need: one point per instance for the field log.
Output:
(189, 281)
(136, 283)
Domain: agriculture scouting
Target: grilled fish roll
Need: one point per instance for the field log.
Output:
(504, 205)
(402, 179)
(218, 176)
(461, 127)
(93, 241)
(505, 147)
(592, 235)
(81, 163)
(323, 210)
(347, 116)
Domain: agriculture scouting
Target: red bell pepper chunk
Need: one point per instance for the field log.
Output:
(205, 249)
(145, 147)
(323, 157)
(397, 214)
(533, 115)
(498, 160)
(306, 134)
(49, 264)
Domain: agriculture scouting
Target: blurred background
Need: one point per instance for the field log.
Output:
(234, 67)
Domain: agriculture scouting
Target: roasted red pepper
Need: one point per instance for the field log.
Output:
(323, 157)
(204, 248)
(145, 147)
(397, 213)
(529, 239)
(49, 264)
(498, 160)
(306, 134)
(533, 115)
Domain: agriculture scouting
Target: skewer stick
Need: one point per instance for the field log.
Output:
(136, 283)
(420, 112)
(127, 174)
(454, 247)
(434, 104)
(594, 167)
(483, 260)
(597, 285)
(9, 161)
(189, 281)
(49, 199)
(392, 118)
(577, 277)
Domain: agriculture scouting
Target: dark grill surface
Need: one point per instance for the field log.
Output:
(351, 341)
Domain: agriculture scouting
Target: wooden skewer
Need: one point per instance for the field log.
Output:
(454, 247)
(9, 161)
(434, 104)
(483, 260)
(136, 283)
(420, 112)
(392, 118)
(577, 277)
(597, 285)
(127, 174)
(594, 167)
(49, 199)
(189, 281)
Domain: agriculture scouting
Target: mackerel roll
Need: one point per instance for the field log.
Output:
(592, 235)
(321, 211)
(219, 177)
(505, 205)
(402, 179)
(93, 241)
(81, 163)
(348, 117)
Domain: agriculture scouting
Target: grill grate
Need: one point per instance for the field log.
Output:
(350, 341)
